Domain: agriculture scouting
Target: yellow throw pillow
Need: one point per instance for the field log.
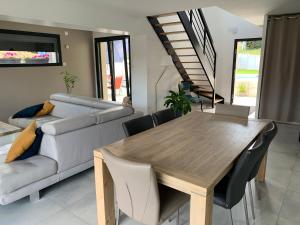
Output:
(47, 108)
(22, 142)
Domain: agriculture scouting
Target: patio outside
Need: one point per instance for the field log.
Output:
(246, 74)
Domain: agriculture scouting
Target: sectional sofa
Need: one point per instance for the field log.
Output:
(76, 126)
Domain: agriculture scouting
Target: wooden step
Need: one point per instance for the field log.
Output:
(173, 32)
(183, 48)
(185, 55)
(217, 100)
(167, 24)
(187, 68)
(195, 80)
(165, 14)
(174, 41)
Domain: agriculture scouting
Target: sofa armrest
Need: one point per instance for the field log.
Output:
(113, 114)
(69, 124)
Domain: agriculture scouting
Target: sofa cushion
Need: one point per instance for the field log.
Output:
(68, 110)
(23, 141)
(20, 173)
(46, 110)
(84, 100)
(28, 112)
(69, 124)
(35, 147)
(113, 114)
(24, 122)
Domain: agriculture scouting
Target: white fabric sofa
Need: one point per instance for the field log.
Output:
(74, 129)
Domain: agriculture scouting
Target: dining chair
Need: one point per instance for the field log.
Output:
(138, 194)
(231, 189)
(267, 135)
(164, 116)
(232, 110)
(138, 125)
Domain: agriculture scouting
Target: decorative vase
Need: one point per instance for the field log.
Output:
(69, 90)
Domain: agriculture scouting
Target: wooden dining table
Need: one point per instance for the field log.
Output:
(190, 154)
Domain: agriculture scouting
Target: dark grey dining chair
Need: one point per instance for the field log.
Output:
(164, 116)
(231, 189)
(138, 125)
(267, 136)
(138, 194)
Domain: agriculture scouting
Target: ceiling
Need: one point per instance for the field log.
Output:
(251, 10)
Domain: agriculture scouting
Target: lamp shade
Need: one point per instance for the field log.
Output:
(166, 60)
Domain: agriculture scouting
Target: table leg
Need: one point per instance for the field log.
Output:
(104, 193)
(261, 175)
(201, 209)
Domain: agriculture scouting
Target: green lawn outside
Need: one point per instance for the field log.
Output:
(240, 71)
(255, 51)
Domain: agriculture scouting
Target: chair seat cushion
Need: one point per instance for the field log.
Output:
(20, 173)
(24, 122)
(170, 201)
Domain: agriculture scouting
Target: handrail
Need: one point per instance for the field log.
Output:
(201, 30)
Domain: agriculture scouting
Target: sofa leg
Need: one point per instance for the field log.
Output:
(34, 197)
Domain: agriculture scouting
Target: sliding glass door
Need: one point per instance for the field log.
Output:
(113, 67)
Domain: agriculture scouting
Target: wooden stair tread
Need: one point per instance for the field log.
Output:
(217, 100)
(167, 24)
(165, 14)
(172, 32)
(181, 40)
(185, 55)
(188, 68)
(183, 48)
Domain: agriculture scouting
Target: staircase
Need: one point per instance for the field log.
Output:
(186, 38)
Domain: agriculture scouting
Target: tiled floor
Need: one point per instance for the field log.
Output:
(72, 202)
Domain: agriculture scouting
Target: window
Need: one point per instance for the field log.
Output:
(19, 48)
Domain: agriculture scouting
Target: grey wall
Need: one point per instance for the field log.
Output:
(24, 86)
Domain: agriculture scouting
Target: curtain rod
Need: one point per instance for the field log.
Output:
(288, 16)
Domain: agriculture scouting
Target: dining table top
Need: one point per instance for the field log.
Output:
(198, 148)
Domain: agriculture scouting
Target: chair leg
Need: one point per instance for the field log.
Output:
(246, 209)
(231, 216)
(177, 217)
(251, 199)
(117, 216)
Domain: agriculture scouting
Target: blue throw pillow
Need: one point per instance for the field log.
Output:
(35, 147)
(29, 111)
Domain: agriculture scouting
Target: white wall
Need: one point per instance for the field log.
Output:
(225, 28)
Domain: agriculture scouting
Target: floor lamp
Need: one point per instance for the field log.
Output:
(166, 61)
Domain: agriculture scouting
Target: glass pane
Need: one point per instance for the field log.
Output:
(246, 74)
(120, 78)
(108, 73)
(23, 48)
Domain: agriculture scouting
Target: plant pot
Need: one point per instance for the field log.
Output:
(10, 61)
(36, 61)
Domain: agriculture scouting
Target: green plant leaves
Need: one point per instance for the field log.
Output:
(178, 102)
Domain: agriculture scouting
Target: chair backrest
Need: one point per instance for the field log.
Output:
(240, 173)
(233, 110)
(164, 116)
(268, 134)
(138, 125)
(136, 188)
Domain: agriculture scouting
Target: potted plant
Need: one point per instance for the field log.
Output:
(69, 80)
(178, 102)
(40, 58)
(10, 58)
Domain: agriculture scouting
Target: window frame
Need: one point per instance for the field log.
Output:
(38, 34)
